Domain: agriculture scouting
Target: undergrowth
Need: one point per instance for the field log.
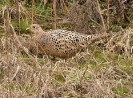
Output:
(103, 71)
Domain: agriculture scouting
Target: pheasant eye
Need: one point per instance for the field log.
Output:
(34, 27)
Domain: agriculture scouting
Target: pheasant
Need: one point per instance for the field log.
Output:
(62, 43)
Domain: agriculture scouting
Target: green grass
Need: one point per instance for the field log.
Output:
(121, 91)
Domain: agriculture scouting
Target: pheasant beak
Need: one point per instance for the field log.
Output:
(29, 31)
(27, 28)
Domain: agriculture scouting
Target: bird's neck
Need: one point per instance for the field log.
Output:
(38, 35)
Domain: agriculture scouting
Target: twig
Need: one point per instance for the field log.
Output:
(17, 70)
(32, 11)
(101, 17)
(108, 3)
(6, 47)
(54, 12)
(82, 79)
(44, 2)
(65, 6)
(18, 15)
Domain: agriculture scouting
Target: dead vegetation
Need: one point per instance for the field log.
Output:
(105, 70)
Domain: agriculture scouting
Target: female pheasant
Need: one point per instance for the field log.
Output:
(61, 43)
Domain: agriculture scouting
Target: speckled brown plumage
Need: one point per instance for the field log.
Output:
(61, 43)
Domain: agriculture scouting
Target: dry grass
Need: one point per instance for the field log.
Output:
(93, 74)
(104, 71)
